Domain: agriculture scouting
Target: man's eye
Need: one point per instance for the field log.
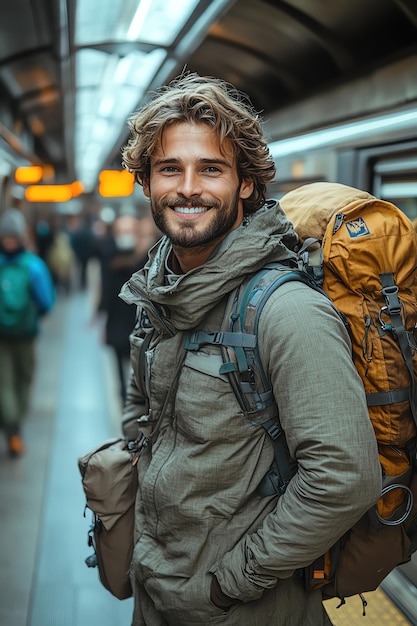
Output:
(169, 169)
(212, 169)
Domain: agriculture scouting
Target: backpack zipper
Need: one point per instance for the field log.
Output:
(340, 218)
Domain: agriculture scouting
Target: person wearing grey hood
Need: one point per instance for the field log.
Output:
(207, 548)
(26, 294)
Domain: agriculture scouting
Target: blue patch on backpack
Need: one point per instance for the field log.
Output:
(357, 228)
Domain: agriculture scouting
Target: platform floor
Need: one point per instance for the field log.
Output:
(43, 578)
(380, 611)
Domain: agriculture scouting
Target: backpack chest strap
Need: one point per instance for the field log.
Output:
(199, 338)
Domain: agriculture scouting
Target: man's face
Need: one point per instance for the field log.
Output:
(196, 196)
(10, 244)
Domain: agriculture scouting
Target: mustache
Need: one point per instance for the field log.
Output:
(191, 202)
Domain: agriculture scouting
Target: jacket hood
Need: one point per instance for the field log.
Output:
(182, 303)
(13, 224)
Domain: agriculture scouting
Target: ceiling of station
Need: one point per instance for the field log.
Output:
(71, 71)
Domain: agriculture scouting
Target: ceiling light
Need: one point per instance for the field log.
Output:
(124, 66)
(159, 22)
(153, 21)
(351, 131)
(106, 105)
(138, 19)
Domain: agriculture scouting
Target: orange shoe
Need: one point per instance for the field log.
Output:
(16, 445)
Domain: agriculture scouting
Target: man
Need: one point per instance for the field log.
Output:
(26, 293)
(208, 548)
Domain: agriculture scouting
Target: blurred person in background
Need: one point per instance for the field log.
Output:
(82, 242)
(43, 237)
(26, 293)
(121, 255)
(60, 260)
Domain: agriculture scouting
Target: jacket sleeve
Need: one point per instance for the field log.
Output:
(42, 286)
(134, 409)
(135, 415)
(307, 354)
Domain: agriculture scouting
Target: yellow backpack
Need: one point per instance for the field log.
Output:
(369, 259)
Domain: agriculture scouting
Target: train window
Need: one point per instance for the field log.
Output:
(396, 180)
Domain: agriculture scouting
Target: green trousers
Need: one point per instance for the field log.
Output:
(17, 367)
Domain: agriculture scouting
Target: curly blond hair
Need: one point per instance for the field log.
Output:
(208, 100)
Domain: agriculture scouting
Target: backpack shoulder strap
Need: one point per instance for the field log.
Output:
(238, 335)
(242, 363)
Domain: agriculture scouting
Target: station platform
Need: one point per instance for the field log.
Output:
(43, 577)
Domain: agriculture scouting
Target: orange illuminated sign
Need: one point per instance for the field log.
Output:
(48, 172)
(28, 175)
(53, 193)
(77, 188)
(114, 183)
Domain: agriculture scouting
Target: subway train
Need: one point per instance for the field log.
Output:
(378, 154)
(335, 84)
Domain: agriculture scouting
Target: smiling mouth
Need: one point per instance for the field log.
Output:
(190, 210)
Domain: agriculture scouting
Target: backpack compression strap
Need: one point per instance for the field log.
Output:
(238, 337)
(393, 310)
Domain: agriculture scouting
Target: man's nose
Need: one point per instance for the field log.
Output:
(189, 184)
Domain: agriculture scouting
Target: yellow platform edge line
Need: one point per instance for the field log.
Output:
(379, 611)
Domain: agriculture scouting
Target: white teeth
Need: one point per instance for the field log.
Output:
(190, 210)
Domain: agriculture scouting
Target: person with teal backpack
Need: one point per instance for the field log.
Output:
(26, 293)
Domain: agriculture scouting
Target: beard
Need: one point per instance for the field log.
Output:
(187, 234)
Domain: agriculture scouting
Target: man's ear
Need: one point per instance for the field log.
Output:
(146, 187)
(246, 188)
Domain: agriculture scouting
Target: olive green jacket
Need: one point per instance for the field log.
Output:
(197, 511)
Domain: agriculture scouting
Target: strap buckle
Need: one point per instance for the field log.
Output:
(390, 294)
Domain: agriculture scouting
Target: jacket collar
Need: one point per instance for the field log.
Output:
(182, 302)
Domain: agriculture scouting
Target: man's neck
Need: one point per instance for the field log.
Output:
(187, 259)
(175, 266)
